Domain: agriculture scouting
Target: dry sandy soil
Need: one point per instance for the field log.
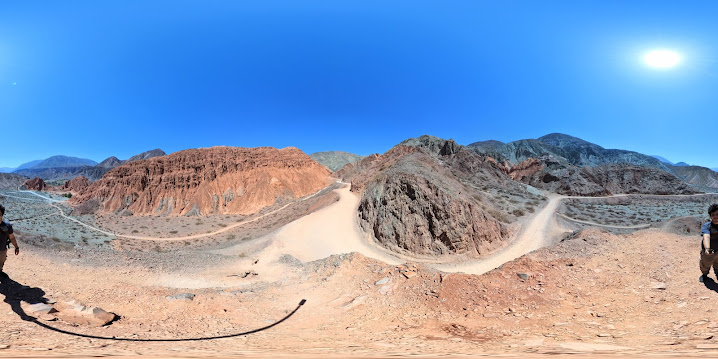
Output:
(586, 293)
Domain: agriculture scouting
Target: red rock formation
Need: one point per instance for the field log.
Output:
(35, 184)
(208, 180)
(525, 168)
(76, 184)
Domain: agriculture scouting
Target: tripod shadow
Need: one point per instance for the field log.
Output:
(15, 293)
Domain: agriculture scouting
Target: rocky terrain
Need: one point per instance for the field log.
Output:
(35, 184)
(11, 180)
(556, 176)
(571, 166)
(334, 160)
(589, 294)
(574, 151)
(226, 180)
(697, 175)
(422, 197)
(77, 184)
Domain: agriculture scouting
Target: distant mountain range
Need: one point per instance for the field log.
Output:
(65, 168)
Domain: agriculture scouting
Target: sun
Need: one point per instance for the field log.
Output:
(662, 59)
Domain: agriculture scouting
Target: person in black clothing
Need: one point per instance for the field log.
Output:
(709, 244)
(6, 238)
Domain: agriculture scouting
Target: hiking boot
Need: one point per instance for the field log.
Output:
(703, 278)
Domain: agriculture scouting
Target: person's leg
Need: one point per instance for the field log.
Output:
(3, 257)
(707, 260)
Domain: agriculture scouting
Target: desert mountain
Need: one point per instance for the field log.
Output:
(11, 180)
(421, 197)
(6, 169)
(28, 164)
(208, 180)
(335, 160)
(63, 161)
(429, 196)
(697, 175)
(60, 169)
(574, 151)
(110, 162)
(147, 154)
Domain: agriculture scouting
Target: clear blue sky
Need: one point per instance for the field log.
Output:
(95, 79)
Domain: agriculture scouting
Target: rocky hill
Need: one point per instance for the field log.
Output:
(423, 197)
(35, 184)
(63, 161)
(697, 175)
(557, 176)
(147, 155)
(110, 162)
(334, 160)
(208, 180)
(11, 180)
(572, 150)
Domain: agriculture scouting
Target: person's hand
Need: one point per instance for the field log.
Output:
(709, 251)
(17, 250)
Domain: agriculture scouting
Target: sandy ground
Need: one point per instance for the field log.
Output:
(590, 294)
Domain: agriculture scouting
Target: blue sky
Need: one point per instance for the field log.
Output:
(95, 79)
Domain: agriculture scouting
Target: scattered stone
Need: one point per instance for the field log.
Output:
(604, 335)
(40, 308)
(4, 346)
(523, 276)
(248, 273)
(707, 346)
(75, 312)
(658, 285)
(409, 274)
(182, 296)
(382, 281)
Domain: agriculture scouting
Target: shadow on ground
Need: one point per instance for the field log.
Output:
(15, 293)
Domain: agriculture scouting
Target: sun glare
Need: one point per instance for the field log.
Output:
(662, 59)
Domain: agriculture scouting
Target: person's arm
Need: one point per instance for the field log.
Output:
(706, 242)
(17, 248)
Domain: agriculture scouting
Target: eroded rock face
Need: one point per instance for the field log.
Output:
(76, 184)
(636, 179)
(209, 180)
(412, 203)
(414, 213)
(560, 177)
(35, 184)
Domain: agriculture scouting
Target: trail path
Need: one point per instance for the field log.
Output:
(330, 230)
(196, 236)
(534, 235)
(334, 230)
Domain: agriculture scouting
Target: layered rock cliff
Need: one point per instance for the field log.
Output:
(76, 184)
(208, 181)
